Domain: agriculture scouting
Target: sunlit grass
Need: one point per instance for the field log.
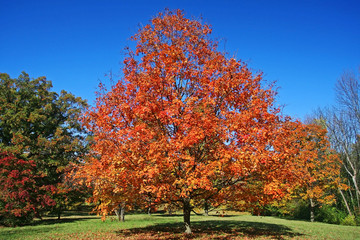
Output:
(158, 226)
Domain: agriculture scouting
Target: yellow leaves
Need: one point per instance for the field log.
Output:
(343, 186)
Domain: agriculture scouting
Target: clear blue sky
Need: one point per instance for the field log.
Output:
(302, 45)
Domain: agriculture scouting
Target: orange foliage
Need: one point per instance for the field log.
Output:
(314, 166)
(184, 124)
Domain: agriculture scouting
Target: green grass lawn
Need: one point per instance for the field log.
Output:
(157, 226)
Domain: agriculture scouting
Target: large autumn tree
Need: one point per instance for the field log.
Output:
(185, 124)
(39, 130)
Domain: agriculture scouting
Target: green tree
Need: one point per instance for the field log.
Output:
(41, 126)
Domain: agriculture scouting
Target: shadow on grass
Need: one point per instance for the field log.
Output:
(222, 229)
(61, 220)
(168, 215)
(72, 213)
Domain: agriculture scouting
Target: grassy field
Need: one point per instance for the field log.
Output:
(157, 226)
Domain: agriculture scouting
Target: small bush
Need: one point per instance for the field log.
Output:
(329, 214)
(271, 210)
(349, 221)
(296, 208)
(13, 221)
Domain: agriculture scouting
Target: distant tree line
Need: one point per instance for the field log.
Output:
(342, 122)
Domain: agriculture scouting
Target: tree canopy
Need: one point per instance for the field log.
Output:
(185, 123)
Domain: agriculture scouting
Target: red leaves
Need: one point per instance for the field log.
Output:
(14, 174)
(18, 189)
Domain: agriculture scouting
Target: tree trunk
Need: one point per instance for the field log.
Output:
(187, 212)
(345, 201)
(352, 198)
(59, 214)
(206, 208)
(149, 207)
(357, 189)
(117, 212)
(170, 211)
(120, 212)
(312, 205)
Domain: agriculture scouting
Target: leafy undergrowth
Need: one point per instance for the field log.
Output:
(142, 227)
